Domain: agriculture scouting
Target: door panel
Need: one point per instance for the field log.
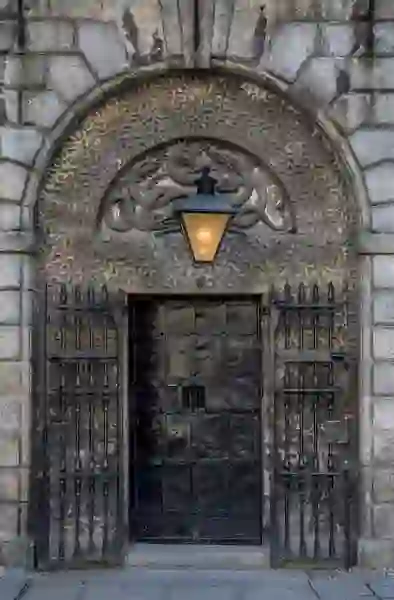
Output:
(196, 401)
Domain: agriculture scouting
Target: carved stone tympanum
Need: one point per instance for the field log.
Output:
(107, 200)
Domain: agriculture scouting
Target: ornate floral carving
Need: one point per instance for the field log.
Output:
(141, 197)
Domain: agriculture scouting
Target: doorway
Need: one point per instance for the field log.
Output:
(195, 420)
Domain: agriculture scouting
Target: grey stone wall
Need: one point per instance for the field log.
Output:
(316, 54)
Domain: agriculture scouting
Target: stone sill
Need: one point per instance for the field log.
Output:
(17, 241)
(375, 243)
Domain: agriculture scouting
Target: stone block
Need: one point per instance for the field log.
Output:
(383, 271)
(384, 9)
(383, 516)
(69, 77)
(351, 110)
(25, 71)
(245, 17)
(9, 448)
(10, 215)
(383, 343)
(93, 9)
(292, 44)
(147, 19)
(9, 484)
(8, 522)
(383, 414)
(14, 380)
(12, 181)
(42, 109)
(10, 271)
(382, 108)
(10, 342)
(317, 81)
(10, 308)
(103, 48)
(11, 105)
(338, 40)
(383, 218)
(171, 29)
(377, 74)
(20, 144)
(375, 554)
(383, 308)
(384, 38)
(7, 34)
(380, 183)
(221, 29)
(371, 146)
(383, 486)
(50, 35)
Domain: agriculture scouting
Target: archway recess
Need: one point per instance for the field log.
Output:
(104, 216)
(298, 219)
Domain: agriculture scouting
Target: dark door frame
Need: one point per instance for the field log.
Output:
(262, 313)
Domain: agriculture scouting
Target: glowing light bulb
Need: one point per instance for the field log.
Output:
(204, 236)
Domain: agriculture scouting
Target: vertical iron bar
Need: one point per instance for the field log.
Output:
(301, 450)
(105, 410)
(331, 408)
(316, 406)
(286, 477)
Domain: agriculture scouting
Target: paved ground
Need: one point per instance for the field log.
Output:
(152, 584)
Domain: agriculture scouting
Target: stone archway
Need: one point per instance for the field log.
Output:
(109, 192)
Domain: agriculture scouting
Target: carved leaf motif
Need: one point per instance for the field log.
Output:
(142, 197)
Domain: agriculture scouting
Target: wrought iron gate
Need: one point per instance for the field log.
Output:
(77, 513)
(314, 438)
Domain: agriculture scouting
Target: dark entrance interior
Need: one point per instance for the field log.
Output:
(195, 420)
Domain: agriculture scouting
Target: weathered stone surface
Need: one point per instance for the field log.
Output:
(291, 46)
(384, 9)
(14, 380)
(20, 144)
(10, 307)
(351, 110)
(10, 270)
(222, 27)
(383, 271)
(383, 383)
(12, 181)
(337, 40)
(317, 81)
(171, 29)
(383, 307)
(186, 15)
(383, 218)
(9, 482)
(25, 70)
(377, 74)
(384, 38)
(383, 516)
(93, 9)
(10, 215)
(7, 34)
(69, 77)
(50, 35)
(147, 20)
(383, 486)
(381, 141)
(206, 17)
(42, 109)
(8, 522)
(11, 105)
(380, 182)
(246, 14)
(9, 446)
(383, 343)
(103, 48)
(10, 342)
(382, 108)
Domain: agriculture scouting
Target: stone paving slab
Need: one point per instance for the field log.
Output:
(188, 584)
(13, 583)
